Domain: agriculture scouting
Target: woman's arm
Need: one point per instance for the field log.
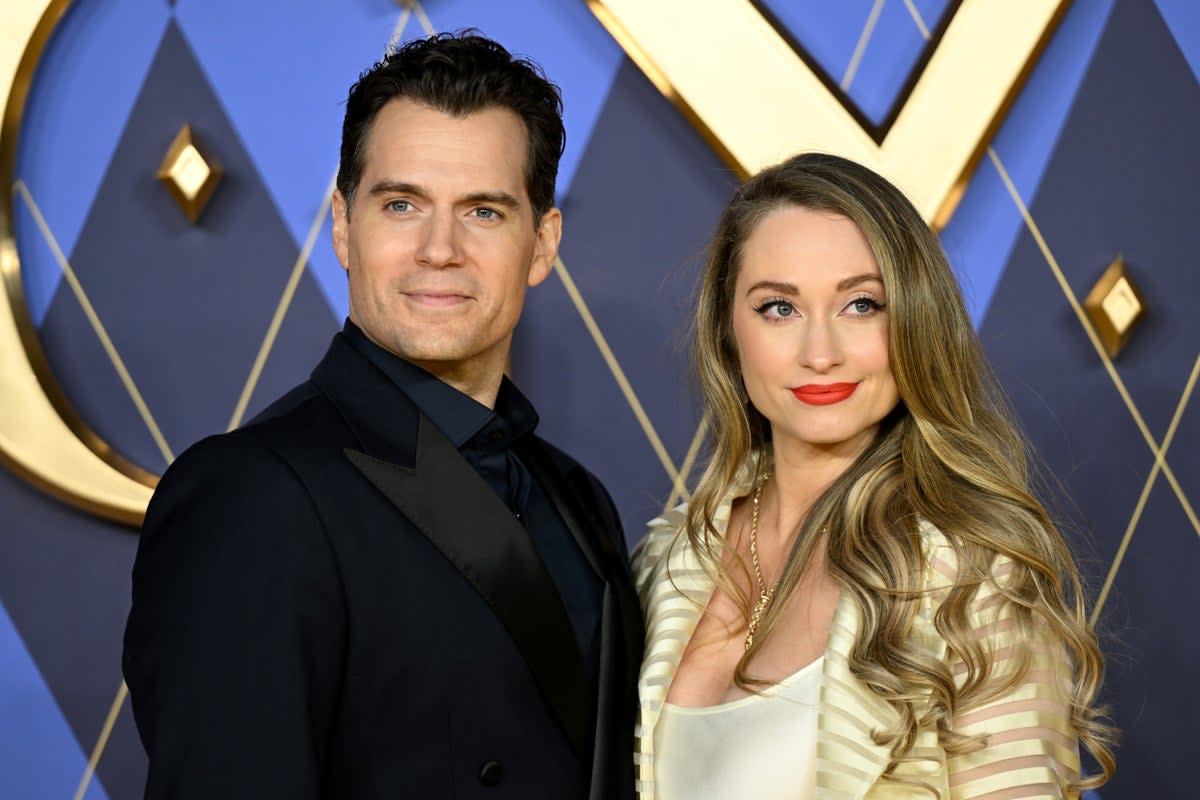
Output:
(1030, 748)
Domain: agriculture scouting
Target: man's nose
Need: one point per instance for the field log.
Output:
(440, 244)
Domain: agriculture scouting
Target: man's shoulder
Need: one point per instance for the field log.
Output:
(559, 459)
(265, 443)
(570, 467)
(294, 409)
(583, 482)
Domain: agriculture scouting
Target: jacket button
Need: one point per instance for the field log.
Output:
(491, 773)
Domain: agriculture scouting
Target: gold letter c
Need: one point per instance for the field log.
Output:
(36, 440)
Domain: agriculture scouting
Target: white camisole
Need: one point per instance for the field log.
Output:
(763, 746)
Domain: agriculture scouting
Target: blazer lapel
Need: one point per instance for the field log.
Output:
(848, 762)
(620, 626)
(678, 601)
(452, 506)
(676, 590)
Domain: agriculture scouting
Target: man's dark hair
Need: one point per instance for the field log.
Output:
(459, 74)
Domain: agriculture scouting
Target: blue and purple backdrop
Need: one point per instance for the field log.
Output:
(1101, 146)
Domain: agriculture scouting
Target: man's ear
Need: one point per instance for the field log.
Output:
(545, 249)
(341, 223)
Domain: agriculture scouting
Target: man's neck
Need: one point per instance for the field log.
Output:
(478, 378)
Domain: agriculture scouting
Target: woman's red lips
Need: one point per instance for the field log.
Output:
(824, 394)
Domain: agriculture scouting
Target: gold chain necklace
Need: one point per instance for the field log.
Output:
(764, 593)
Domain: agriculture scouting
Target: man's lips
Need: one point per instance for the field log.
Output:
(436, 298)
(823, 394)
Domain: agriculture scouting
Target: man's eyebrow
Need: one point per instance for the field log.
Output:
(398, 187)
(776, 286)
(855, 280)
(494, 198)
(497, 198)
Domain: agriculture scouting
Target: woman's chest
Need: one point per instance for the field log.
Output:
(705, 674)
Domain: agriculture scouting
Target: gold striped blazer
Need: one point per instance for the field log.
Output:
(1031, 750)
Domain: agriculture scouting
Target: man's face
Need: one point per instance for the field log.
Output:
(440, 244)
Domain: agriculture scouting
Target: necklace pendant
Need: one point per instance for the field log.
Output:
(764, 593)
(760, 608)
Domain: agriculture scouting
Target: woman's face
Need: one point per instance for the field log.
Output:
(810, 320)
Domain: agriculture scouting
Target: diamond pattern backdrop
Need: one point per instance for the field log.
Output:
(1092, 160)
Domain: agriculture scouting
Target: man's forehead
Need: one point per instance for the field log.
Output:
(493, 125)
(483, 151)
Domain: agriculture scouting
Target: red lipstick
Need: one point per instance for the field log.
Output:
(824, 394)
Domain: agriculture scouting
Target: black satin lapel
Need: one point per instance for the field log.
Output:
(447, 500)
(621, 632)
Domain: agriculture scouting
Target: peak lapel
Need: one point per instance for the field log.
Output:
(449, 503)
(620, 628)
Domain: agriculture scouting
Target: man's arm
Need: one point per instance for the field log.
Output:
(235, 638)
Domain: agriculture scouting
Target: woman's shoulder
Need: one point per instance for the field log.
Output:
(662, 533)
(940, 557)
(984, 572)
(667, 533)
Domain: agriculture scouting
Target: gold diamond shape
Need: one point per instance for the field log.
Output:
(1115, 306)
(189, 174)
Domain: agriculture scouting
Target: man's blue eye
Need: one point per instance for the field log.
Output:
(399, 205)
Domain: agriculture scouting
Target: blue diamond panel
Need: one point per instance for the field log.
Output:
(890, 55)
(1183, 19)
(281, 71)
(1151, 656)
(1140, 204)
(981, 234)
(64, 589)
(186, 305)
(264, 82)
(302, 340)
(39, 756)
(888, 43)
(635, 257)
(1067, 407)
(1135, 203)
(1186, 438)
(82, 92)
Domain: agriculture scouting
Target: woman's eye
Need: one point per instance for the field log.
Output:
(776, 309)
(864, 306)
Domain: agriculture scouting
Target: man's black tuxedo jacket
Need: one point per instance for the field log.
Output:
(330, 602)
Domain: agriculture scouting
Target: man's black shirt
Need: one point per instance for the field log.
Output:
(485, 438)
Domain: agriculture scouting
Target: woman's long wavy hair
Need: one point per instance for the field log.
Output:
(949, 453)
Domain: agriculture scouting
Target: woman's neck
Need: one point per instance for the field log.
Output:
(798, 478)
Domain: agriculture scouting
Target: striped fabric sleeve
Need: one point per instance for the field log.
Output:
(1031, 749)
